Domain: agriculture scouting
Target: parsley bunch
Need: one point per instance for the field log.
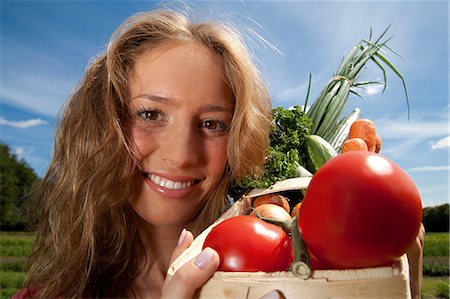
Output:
(291, 126)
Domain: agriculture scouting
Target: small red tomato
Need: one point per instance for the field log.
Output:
(249, 244)
(360, 210)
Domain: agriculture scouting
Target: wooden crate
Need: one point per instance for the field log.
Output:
(379, 282)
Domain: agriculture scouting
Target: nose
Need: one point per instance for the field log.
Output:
(180, 147)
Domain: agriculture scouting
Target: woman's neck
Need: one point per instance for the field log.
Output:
(158, 243)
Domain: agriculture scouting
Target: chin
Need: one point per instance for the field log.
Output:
(167, 218)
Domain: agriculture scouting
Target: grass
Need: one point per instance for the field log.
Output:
(15, 247)
(435, 287)
(11, 280)
(436, 282)
(436, 254)
(436, 244)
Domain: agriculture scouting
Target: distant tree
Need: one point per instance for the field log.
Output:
(436, 219)
(17, 181)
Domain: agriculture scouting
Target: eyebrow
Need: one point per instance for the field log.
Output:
(155, 98)
(216, 108)
(165, 100)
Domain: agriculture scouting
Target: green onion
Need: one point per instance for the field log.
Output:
(328, 107)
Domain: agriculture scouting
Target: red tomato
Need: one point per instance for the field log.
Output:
(316, 264)
(360, 210)
(249, 244)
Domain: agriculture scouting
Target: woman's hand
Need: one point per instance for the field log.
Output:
(191, 275)
(196, 272)
(415, 260)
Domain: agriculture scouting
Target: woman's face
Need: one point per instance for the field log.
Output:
(181, 112)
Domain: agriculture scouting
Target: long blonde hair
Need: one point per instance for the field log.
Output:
(87, 233)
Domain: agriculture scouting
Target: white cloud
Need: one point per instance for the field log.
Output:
(373, 89)
(20, 152)
(24, 123)
(441, 143)
(297, 92)
(405, 137)
(35, 80)
(38, 161)
(47, 95)
(428, 168)
(402, 129)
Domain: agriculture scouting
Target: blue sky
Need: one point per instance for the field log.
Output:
(46, 46)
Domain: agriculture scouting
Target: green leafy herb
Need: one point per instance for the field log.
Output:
(291, 126)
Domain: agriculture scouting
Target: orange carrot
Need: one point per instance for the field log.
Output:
(354, 144)
(365, 129)
(295, 209)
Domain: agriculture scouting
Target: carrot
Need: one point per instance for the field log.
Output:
(295, 209)
(354, 144)
(365, 129)
(378, 143)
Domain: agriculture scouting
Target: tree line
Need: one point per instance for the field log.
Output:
(18, 180)
(436, 219)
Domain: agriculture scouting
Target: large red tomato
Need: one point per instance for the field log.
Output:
(249, 244)
(360, 210)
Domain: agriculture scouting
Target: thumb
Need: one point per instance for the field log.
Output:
(274, 294)
(191, 275)
(184, 241)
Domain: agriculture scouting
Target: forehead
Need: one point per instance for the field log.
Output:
(187, 69)
(178, 54)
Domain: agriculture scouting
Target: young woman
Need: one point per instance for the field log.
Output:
(145, 151)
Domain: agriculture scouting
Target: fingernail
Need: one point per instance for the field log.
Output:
(271, 295)
(182, 236)
(204, 258)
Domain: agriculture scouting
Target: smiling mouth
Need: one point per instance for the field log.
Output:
(168, 184)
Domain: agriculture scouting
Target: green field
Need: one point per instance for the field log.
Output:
(436, 266)
(15, 247)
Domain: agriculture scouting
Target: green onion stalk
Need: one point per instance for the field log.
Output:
(328, 107)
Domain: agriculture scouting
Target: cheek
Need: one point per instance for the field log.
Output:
(218, 157)
(140, 142)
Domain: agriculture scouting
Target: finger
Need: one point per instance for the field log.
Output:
(421, 234)
(192, 275)
(184, 241)
(415, 261)
(275, 294)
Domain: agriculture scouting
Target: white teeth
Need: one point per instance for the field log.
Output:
(169, 184)
(155, 179)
